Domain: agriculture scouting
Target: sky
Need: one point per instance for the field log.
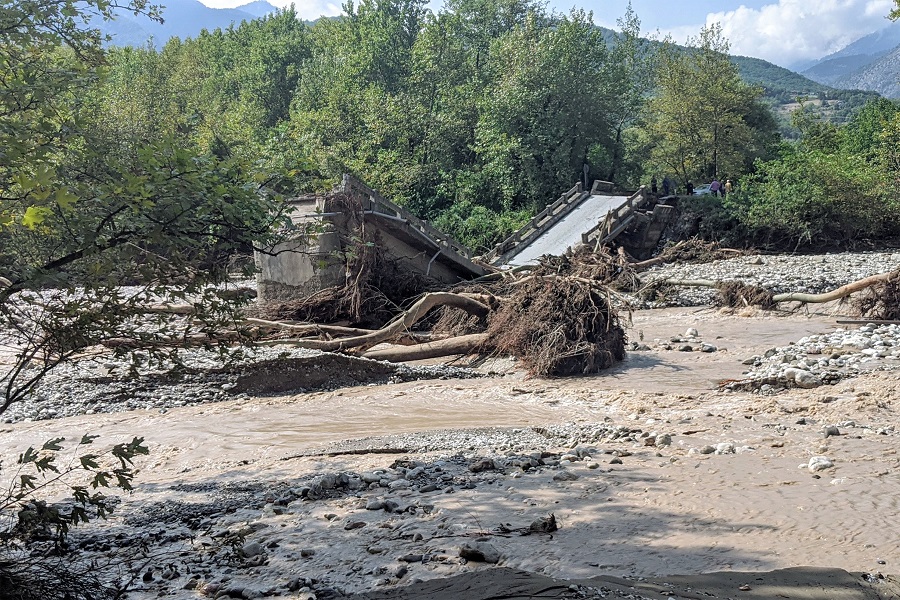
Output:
(784, 32)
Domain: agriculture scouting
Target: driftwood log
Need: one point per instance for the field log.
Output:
(462, 344)
(841, 292)
(837, 294)
(399, 325)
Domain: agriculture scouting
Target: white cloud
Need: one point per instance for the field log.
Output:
(796, 30)
(306, 9)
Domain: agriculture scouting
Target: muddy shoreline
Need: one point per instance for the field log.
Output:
(660, 479)
(650, 471)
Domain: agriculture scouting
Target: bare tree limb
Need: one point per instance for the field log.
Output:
(844, 290)
(463, 344)
(400, 325)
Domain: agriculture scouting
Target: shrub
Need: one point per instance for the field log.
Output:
(35, 560)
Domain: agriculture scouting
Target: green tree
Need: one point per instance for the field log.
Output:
(78, 218)
(628, 80)
(542, 113)
(864, 134)
(813, 198)
(704, 121)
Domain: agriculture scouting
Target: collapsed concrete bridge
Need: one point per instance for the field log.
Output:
(307, 263)
(585, 217)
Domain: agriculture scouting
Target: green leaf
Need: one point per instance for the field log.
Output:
(88, 462)
(65, 199)
(28, 456)
(100, 479)
(34, 216)
(53, 444)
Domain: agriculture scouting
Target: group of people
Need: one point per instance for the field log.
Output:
(721, 189)
(668, 186)
(716, 188)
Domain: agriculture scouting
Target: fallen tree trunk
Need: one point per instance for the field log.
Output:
(841, 292)
(415, 313)
(690, 282)
(308, 327)
(200, 339)
(837, 294)
(168, 309)
(463, 344)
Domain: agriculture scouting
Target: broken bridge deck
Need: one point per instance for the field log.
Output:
(577, 217)
(567, 232)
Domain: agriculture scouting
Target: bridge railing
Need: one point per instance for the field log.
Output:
(616, 220)
(379, 205)
(538, 224)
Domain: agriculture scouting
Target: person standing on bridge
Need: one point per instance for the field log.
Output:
(666, 185)
(653, 184)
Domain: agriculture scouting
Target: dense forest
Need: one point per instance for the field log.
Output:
(474, 117)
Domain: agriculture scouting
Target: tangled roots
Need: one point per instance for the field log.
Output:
(560, 327)
(881, 302)
(597, 265)
(734, 294)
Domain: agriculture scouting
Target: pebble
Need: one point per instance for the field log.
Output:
(831, 430)
(725, 448)
(565, 475)
(251, 549)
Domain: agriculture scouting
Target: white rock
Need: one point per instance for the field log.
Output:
(819, 463)
(725, 448)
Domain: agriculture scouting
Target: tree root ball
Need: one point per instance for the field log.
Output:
(558, 327)
(881, 301)
(734, 294)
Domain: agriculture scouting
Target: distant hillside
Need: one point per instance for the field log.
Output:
(183, 19)
(869, 63)
(882, 76)
(778, 82)
(832, 70)
(258, 8)
(783, 88)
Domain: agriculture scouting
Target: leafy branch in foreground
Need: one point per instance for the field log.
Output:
(34, 557)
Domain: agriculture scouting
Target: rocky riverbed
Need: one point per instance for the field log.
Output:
(812, 274)
(104, 384)
(746, 444)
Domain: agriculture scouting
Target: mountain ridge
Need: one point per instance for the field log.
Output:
(869, 63)
(181, 18)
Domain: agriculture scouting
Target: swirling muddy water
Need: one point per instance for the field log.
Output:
(280, 426)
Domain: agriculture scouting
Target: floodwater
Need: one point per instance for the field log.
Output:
(282, 426)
